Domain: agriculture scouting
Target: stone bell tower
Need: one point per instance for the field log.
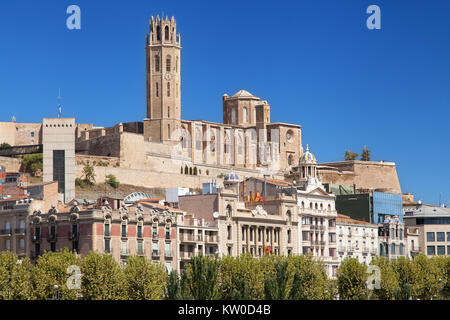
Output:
(163, 46)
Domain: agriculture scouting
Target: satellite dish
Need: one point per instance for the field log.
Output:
(215, 214)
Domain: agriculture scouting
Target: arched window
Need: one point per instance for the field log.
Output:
(310, 205)
(244, 111)
(321, 206)
(288, 214)
(329, 207)
(198, 139)
(233, 116)
(158, 33)
(168, 89)
(157, 63)
(168, 63)
(168, 131)
(229, 210)
(316, 206)
(166, 31)
(157, 89)
(290, 160)
(168, 111)
(303, 204)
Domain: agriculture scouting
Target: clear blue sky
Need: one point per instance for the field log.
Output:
(314, 61)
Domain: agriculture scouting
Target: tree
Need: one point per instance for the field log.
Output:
(310, 280)
(102, 279)
(172, 291)
(5, 145)
(276, 287)
(15, 277)
(89, 174)
(406, 273)
(351, 280)
(144, 280)
(51, 270)
(389, 279)
(428, 283)
(33, 163)
(202, 273)
(241, 278)
(350, 155)
(365, 155)
(112, 181)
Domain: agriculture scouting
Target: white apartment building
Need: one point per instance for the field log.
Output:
(357, 239)
(317, 215)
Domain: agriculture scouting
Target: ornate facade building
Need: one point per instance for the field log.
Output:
(317, 215)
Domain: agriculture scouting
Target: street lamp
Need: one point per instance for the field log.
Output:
(56, 295)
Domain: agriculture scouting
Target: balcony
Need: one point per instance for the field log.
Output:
(350, 249)
(51, 237)
(73, 236)
(322, 243)
(365, 250)
(190, 238)
(211, 239)
(168, 255)
(155, 254)
(19, 231)
(6, 232)
(125, 252)
(186, 255)
(365, 235)
(36, 238)
(321, 228)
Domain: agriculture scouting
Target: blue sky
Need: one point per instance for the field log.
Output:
(315, 62)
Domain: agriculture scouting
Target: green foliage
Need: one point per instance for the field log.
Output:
(241, 278)
(143, 279)
(173, 286)
(51, 270)
(32, 163)
(428, 283)
(275, 286)
(103, 278)
(89, 174)
(365, 155)
(5, 145)
(389, 279)
(351, 280)
(202, 274)
(80, 183)
(15, 277)
(310, 280)
(349, 155)
(112, 181)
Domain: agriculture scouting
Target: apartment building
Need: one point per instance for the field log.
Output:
(357, 239)
(317, 214)
(433, 227)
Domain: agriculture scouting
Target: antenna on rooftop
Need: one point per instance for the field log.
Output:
(59, 103)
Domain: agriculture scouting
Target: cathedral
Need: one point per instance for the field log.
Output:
(246, 138)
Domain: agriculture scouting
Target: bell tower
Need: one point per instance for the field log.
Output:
(163, 46)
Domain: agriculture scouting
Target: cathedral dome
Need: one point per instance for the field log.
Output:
(308, 157)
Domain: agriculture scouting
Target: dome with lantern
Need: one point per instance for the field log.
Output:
(307, 157)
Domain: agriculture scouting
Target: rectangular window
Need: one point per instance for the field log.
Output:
(251, 234)
(155, 249)
(243, 233)
(155, 232)
(431, 250)
(440, 237)
(259, 234)
(139, 231)
(430, 236)
(167, 233)
(441, 250)
(168, 267)
(124, 247)
(448, 250)
(107, 246)
(448, 236)
(289, 236)
(52, 246)
(168, 251)
(7, 244)
(229, 232)
(124, 230)
(22, 244)
(59, 170)
(107, 230)
(140, 247)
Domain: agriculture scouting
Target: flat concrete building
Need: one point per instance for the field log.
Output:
(58, 139)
